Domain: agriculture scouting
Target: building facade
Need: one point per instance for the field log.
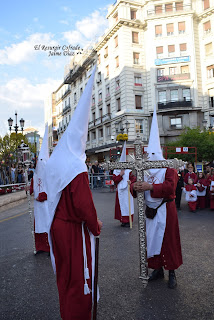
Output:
(155, 53)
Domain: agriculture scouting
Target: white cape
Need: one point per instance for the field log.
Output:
(123, 194)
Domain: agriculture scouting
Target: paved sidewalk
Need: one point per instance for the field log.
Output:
(12, 199)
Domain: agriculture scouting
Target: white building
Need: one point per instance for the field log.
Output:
(154, 53)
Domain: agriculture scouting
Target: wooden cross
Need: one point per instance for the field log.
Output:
(140, 164)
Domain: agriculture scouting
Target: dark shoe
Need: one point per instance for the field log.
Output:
(127, 225)
(123, 224)
(172, 279)
(156, 274)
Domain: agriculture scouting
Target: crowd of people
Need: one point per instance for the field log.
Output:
(198, 188)
(14, 174)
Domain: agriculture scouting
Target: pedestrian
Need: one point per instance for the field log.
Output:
(121, 180)
(201, 190)
(179, 187)
(41, 214)
(162, 230)
(13, 173)
(95, 172)
(20, 174)
(73, 217)
(191, 194)
(190, 174)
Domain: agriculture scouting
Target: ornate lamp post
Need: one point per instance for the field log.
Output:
(120, 128)
(16, 127)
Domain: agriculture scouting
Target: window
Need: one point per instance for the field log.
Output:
(133, 14)
(171, 50)
(206, 4)
(107, 90)
(138, 102)
(159, 51)
(116, 41)
(117, 62)
(139, 125)
(100, 133)
(162, 96)
(170, 29)
(184, 69)
(137, 79)
(172, 70)
(183, 49)
(108, 131)
(175, 123)
(207, 27)
(160, 72)
(210, 72)
(80, 79)
(136, 58)
(118, 104)
(93, 100)
(168, 7)
(186, 94)
(69, 101)
(99, 77)
(117, 83)
(135, 37)
(158, 9)
(93, 116)
(107, 71)
(158, 31)
(75, 97)
(208, 49)
(106, 52)
(93, 133)
(211, 97)
(174, 95)
(81, 91)
(100, 96)
(116, 17)
(181, 27)
(108, 108)
(178, 6)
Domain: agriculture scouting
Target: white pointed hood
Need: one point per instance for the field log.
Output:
(154, 148)
(68, 157)
(123, 154)
(43, 154)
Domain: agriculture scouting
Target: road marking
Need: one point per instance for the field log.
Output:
(18, 215)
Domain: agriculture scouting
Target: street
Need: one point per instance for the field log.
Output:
(28, 286)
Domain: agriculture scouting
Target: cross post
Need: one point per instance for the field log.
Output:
(141, 164)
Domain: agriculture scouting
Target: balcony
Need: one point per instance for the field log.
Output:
(96, 122)
(66, 109)
(173, 77)
(186, 7)
(175, 104)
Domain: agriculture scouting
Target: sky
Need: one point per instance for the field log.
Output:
(28, 74)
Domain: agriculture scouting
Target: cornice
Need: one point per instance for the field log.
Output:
(205, 13)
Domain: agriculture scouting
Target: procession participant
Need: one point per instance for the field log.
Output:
(121, 179)
(211, 193)
(37, 187)
(201, 190)
(190, 174)
(179, 187)
(163, 237)
(191, 195)
(73, 218)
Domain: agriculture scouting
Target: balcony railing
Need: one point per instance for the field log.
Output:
(106, 117)
(175, 104)
(173, 77)
(66, 109)
(186, 7)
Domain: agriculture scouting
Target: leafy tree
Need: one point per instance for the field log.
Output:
(8, 147)
(202, 140)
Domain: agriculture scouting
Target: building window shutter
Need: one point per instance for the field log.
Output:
(158, 9)
(135, 37)
(158, 30)
(208, 49)
(183, 46)
(207, 26)
(181, 26)
(171, 48)
(170, 27)
(206, 4)
(159, 50)
(179, 6)
(138, 104)
(168, 7)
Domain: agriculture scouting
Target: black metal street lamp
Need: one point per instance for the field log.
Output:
(16, 127)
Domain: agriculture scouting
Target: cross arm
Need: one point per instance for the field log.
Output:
(119, 165)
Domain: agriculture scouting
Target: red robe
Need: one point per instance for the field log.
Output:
(170, 256)
(201, 201)
(41, 239)
(117, 214)
(211, 194)
(190, 175)
(192, 204)
(75, 206)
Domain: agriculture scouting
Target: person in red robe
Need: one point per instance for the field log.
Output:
(191, 195)
(75, 206)
(73, 218)
(201, 190)
(170, 256)
(41, 239)
(118, 216)
(211, 191)
(190, 174)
